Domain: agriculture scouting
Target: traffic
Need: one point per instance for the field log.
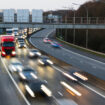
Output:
(38, 75)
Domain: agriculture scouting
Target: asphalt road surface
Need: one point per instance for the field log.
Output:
(53, 76)
(85, 63)
(12, 91)
(8, 92)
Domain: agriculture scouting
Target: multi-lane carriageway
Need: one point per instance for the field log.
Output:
(12, 90)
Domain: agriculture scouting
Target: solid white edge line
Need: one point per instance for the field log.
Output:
(80, 54)
(75, 52)
(92, 90)
(83, 56)
(14, 82)
(83, 84)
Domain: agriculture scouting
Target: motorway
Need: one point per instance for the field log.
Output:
(85, 63)
(53, 76)
(13, 92)
(8, 92)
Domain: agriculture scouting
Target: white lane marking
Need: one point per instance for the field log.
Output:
(46, 37)
(86, 58)
(57, 69)
(77, 53)
(67, 86)
(60, 93)
(80, 54)
(25, 99)
(83, 84)
(92, 90)
(83, 56)
(49, 33)
(56, 101)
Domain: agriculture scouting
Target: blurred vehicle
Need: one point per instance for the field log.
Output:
(80, 76)
(15, 66)
(21, 45)
(24, 36)
(33, 88)
(27, 74)
(15, 31)
(7, 45)
(47, 40)
(55, 44)
(44, 60)
(19, 39)
(9, 31)
(77, 75)
(34, 53)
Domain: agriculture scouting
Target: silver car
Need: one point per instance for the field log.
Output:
(15, 67)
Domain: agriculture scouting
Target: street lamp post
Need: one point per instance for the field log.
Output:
(87, 23)
(66, 21)
(73, 26)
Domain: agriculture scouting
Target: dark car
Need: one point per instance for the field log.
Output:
(44, 60)
(27, 74)
(33, 88)
(55, 45)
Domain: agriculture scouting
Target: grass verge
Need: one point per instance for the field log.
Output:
(102, 55)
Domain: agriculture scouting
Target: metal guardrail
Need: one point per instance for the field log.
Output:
(71, 20)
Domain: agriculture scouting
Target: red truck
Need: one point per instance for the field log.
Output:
(7, 45)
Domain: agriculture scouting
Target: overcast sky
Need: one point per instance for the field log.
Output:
(38, 4)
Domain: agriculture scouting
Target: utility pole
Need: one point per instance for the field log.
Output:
(87, 23)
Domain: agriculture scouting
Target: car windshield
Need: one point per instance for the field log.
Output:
(9, 32)
(16, 63)
(34, 50)
(20, 39)
(21, 43)
(45, 58)
(27, 74)
(36, 85)
(8, 44)
(28, 70)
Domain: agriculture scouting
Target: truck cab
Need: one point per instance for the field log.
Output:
(8, 45)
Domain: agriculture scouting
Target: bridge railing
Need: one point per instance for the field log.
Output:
(79, 20)
(71, 20)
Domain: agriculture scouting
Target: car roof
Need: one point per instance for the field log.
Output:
(34, 50)
(44, 57)
(28, 68)
(37, 81)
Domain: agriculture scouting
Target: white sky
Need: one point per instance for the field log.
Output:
(39, 4)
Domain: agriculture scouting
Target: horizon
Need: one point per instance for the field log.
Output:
(30, 4)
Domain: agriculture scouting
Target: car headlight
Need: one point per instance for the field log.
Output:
(50, 62)
(14, 68)
(22, 75)
(41, 62)
(24, 45)
(31, 54)
(3, 52)
(19, 68)
(13, 52)
(29, 91)
(38, 53)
